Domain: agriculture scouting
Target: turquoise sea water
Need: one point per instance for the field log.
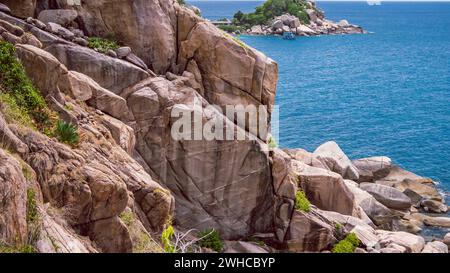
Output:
(384, 93)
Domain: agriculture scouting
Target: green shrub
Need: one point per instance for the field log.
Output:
(166, 238)
(229, 28)
(210, 238)
(301, 202)
(272, 142)
(102, 44)
(20, 99)
(348, 245)
(66, 132)
(181, 2)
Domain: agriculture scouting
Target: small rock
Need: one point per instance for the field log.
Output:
(30, 39)
(277, 24)
(62, 17)
(388, 196)
(343, 23)
(435, 247)
(11, 38)
(437, 221)
(17, 31)
(447, 239)
(434, 206)
(360, 250)
(123, 51)
(111, 53)
(77, 32)
(80, 41)
(39, 24)
(4, 8)
(136, 61)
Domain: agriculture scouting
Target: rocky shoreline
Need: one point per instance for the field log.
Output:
(317, 26)
(127, 180)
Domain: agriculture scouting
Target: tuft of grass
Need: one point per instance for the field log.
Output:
(210, 238)
(67, 133)
(32, 212)
(21, 101)
(301, 202)
(102, 44)
(347, 245)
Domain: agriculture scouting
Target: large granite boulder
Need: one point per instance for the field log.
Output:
(388, 196)
(119, 75)
(59, 16)
(46, 72)
(148, 26)
(310, 232)
(218, 184)
(331, 155)
(435, 247)
(21, 8)
(377, 212)
(372, 168)
(325, 189)
(412, 243)
(236, 74)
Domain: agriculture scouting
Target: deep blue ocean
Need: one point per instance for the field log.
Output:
(383, 93)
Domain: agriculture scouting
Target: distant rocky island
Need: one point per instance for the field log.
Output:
(275, 17)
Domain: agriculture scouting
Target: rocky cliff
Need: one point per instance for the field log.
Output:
(112, 177)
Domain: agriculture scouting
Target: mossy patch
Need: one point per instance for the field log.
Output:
(301, 202)
(103, 44)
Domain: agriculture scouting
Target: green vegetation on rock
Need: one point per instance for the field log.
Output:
(301, 202)
(347, 245)
(166, 237)
(210, 238)
(270, 9)
(67, 132)
(102, 44)
(21, 101)
(5, 248)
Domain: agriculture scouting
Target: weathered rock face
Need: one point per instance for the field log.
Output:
(236, 75)
(412, 243)
(331, 155)
(243, 247)
(325, 189)
(51, 76)
(55, 237)
(118, 75)
(148, 26)
(388, 196)
(376, 211)
(13, 200)
(373, 168)
(217, 184)
(435, 247)
(309, 232)
(21, 8)
(285, 186)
